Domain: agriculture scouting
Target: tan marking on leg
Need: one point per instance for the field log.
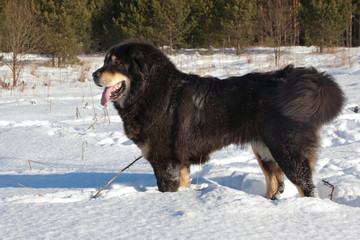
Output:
(270, 168)
(311, 154)
(311, 157)
(145, 149)
(300, 191)
(279, 174)
(184, 175)
(271, 178)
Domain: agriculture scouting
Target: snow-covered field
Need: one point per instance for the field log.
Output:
(58, 121)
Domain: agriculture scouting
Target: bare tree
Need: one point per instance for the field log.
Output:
(278, 24)
(21, 34)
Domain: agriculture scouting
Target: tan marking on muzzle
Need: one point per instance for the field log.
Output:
(110, 79)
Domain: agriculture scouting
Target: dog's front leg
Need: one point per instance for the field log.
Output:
(167, 174)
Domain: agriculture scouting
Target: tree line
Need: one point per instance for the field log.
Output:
(228, 23)
(66, 28)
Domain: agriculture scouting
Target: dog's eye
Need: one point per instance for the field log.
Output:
(117, 62)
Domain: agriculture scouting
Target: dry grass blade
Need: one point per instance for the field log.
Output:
(95, 122)
(83, 149)
(107, 184)
(92, 100)
(78, 112)
(32, 190)
(332, 188)
(30, 161)
(106, 114)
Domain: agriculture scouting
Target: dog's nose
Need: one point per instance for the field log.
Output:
(96, 75)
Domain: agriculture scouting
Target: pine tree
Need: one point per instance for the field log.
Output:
(356, 23)
(67, 25)
(207, 19)
(2, 19)
(325, 21)
(137, 20)
(240, 21)
(107, 23)
(171, 21)
(2, 14)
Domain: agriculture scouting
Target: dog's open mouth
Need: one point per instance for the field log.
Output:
(113, 93)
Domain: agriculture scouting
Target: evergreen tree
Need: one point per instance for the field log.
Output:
(325, 21)
(2, 14)
(107, 23)
(207, 18)
(356, 23)
(239, 21)
(171, 21)
(67, 25)
(137, 20)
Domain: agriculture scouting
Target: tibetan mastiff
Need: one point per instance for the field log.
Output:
(179, 119)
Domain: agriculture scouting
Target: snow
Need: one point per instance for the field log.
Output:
(75, 146)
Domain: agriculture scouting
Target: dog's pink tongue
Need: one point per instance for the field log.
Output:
(106, 96)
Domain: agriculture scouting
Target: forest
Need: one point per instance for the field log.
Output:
(64, 29)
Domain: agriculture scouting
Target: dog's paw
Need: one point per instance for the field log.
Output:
(168, 185)
(276, 196)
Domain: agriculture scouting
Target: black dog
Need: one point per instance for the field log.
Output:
(178, 119)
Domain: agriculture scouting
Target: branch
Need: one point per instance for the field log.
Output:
(32, 190)
(39, 163)
(107, 184)
(326, 183)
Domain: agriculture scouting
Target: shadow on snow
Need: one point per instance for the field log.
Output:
(77, 180)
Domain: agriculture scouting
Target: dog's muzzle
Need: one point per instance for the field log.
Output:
(96, 76)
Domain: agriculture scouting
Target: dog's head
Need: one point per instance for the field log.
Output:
(125, 72)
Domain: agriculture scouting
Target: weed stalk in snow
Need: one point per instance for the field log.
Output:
(83, 149)
(39, 163)
(78, 112)
(107, 184)
(32, 190)
(332, 188)
(92, 100)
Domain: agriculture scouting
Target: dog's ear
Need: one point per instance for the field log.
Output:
(139, 61)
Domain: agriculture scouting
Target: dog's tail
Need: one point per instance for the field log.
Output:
(308, 96)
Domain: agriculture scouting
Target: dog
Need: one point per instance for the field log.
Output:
(179, 119)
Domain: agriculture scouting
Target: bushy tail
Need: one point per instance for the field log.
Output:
(308, 96)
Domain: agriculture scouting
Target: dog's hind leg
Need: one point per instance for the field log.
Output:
(297, 164)
(273, 174)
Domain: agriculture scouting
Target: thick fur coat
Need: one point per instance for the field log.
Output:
(179, 119)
